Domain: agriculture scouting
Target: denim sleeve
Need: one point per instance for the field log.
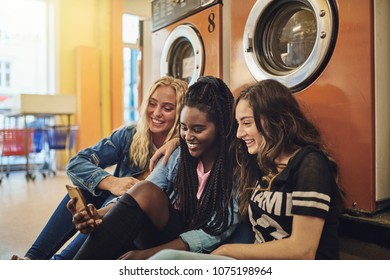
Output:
(164, 175)
(86, 169)
(202, 242)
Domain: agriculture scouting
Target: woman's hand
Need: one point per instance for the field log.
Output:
(164, 151)
(117, 186)
(82, 220)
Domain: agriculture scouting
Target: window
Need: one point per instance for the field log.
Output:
(5, 75)
(26, 62)
(130, 30)
(25, 49)
(131, 61)
(130, 96)
(24, 46)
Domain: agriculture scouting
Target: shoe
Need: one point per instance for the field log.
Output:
(15, 257)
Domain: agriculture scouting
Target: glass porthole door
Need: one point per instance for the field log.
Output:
(290, 41)
(183, 54)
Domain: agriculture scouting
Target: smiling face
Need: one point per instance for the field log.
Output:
(247, 129)
(199, 133)
(161, 111)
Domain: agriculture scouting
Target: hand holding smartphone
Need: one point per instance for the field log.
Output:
(76, 194)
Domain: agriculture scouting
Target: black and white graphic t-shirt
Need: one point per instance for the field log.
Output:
(305, 187)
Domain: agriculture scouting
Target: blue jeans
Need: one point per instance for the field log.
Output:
(59, 229)
(71, 250)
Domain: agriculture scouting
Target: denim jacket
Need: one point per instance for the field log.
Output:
(197, 240)
(86, 169)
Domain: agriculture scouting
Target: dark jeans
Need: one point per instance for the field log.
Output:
(59, 229)
(72, 248)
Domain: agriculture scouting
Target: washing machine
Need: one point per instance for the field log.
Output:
(324, 51)
(187, 38)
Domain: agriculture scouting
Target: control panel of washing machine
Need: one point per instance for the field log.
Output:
(166, 12)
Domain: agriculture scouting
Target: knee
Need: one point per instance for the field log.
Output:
(147, 194)
(153, 201)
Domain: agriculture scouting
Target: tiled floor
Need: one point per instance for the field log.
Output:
(25, 208)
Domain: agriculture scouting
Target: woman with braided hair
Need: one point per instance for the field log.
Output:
(287, 181)
(186, 204)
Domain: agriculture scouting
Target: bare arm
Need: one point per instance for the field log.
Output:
(302, 244)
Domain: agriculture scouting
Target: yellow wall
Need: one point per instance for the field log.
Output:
(84, 23)
(88, 96)
(117, 10)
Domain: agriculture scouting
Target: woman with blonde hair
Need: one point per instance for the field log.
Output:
(130, 149)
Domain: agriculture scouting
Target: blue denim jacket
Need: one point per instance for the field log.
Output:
(197, 240)
(86, 169)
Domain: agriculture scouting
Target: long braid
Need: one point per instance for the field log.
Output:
(211, 211)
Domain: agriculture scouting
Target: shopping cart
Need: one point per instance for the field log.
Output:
(38, 140)
(38, 146)
(16, 142)
(59, 137)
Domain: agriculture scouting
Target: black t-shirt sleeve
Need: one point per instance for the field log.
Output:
(312, 192)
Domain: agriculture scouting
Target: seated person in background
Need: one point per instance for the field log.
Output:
(130, 149)
(186, 204)
(287, 181)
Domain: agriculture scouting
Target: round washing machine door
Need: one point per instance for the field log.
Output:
(290, 41)
(183, 54)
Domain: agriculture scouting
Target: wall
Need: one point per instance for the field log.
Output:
(116, 43)
(96, 24)
(84, 24)
(141, 8)
(382, 98)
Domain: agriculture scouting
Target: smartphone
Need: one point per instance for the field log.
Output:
(75, 193)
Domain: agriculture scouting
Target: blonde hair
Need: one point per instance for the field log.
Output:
(142, 145)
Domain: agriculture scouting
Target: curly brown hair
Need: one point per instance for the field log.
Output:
(285, 129)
